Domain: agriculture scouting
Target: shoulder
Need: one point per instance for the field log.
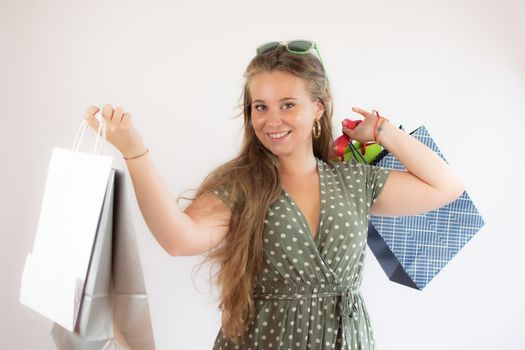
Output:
(346, 168)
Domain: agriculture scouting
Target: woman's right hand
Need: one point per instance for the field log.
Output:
(119, 130)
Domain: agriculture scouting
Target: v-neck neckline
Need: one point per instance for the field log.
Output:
(313, 239)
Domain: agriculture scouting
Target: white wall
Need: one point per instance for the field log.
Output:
(458, 67)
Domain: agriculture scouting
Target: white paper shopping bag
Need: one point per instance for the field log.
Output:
(55, 272)
(112, 317)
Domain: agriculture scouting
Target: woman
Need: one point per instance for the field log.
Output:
(287, 226)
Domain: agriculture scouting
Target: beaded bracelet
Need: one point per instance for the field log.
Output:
(143, 153)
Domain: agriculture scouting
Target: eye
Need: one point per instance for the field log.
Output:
(285, 104)
(256, 106)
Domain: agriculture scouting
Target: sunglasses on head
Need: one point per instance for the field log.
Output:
(294, 46)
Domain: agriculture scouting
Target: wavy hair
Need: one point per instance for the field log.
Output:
(252, 184)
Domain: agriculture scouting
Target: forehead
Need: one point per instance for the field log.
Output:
(273, 86)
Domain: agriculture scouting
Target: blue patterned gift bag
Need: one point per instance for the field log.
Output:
(413, 249)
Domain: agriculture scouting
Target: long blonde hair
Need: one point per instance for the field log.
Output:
(252, 181)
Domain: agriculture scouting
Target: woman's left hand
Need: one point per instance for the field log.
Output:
(364, 131)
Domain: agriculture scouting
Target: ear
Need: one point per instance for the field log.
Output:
(319, 109)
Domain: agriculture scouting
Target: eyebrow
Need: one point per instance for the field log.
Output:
(282, 99)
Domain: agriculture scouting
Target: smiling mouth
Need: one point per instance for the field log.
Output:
(281, 135)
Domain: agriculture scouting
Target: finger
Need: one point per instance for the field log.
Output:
(90, 116)
(107, 112)
(91, 110)
(117, 115)
(126, 119)
(361, 111)
(348, 132)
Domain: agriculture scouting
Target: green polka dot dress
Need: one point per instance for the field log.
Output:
(308, 293)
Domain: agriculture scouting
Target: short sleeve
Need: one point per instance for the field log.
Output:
(375, 178)
(362, 183)
(224, 195)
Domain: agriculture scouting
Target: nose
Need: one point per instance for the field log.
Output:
(274, 119)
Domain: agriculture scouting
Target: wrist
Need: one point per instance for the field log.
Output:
(384, 131)
(379, 126)
(136, 152)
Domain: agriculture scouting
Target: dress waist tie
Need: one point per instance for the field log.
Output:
(348, 297)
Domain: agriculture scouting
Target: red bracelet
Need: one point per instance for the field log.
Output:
(377, 122)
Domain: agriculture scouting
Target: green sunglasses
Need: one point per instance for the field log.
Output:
(294, 46)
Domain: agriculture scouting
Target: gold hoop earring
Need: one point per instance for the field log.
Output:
(317, 125)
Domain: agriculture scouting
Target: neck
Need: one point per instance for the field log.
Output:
(297, 166)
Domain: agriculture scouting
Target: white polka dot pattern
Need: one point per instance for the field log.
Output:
(307, 296)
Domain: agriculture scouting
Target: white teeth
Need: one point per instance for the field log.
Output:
(276, 136)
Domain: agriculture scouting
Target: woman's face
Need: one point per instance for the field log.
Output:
(280, 104)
